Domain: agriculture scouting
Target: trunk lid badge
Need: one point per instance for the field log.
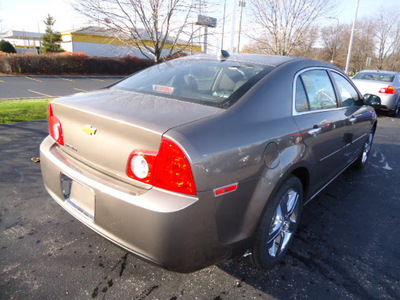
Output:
(90, 129)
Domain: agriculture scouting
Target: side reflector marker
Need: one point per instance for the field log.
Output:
(225, 189)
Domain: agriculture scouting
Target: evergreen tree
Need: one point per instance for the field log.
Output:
(7, 47)
(51, 39)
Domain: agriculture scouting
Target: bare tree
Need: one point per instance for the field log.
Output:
(387, 37)
(333, 41)
(150, 25)
(284, 23)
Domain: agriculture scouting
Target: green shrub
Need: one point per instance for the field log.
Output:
(7, 47)
(71, 63)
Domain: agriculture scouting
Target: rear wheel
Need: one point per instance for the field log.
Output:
(395, 112)
(363, 158)
(279, 224)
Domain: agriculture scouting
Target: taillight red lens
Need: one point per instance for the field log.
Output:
(55, 128)
(388, 90)
(168, 169)
(173, 171)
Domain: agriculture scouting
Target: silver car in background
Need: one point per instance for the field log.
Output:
(381, 87)
(199, 159)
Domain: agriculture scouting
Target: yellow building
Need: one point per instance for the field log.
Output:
(97, 41)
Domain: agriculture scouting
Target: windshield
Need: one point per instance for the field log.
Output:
(378, 76)
(203, 81)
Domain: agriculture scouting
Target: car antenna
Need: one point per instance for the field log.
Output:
(223, 55)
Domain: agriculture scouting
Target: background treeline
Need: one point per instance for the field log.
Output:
(296, 31)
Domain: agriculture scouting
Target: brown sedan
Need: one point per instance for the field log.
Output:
(193, 161)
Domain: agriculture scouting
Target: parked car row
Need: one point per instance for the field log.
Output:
(195, 160)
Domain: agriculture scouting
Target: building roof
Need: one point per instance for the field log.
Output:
(23, 35)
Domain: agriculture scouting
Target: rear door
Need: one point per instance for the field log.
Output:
(321, 122)
(356, 131)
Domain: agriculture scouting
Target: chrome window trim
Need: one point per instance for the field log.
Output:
(295, 112)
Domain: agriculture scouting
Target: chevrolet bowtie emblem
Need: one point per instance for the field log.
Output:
(90, 129)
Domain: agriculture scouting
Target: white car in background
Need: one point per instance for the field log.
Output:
(381, 89)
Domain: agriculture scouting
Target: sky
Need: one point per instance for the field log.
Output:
(28, 15)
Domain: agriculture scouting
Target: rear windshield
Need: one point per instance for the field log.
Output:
(378, 76)
(203, 81)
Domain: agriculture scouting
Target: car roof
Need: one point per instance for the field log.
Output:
(271, 60)
(379, 71)
(274, 61)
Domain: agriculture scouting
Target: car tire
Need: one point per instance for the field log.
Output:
(363, 158)
(279, 224)
(395, 112)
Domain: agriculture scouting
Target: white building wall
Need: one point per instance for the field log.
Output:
(106, 50)
(67, 47)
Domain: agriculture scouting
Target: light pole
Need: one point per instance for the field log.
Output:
(336, 38)
(233, 28)
(223, 28)
(242, 3)
(351, 40)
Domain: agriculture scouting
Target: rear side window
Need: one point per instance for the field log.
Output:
(319, 90)
(347, 93)
(301, 97)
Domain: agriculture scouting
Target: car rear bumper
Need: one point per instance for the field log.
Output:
(175, 231)
(388, 102)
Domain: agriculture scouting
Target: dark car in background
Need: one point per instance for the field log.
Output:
(199, 159)
(381, 87)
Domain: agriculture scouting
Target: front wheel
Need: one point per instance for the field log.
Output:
(279, 224)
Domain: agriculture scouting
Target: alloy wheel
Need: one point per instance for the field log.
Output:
(284, 223)
(367, 148)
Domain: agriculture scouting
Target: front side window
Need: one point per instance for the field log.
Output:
(346, 91)
(319, 89)
(204, 81)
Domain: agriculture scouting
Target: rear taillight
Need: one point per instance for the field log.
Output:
(168, 169)
(388, 90)
(55, 128)
(141, 165)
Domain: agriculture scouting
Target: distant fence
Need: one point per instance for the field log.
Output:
(70, 63)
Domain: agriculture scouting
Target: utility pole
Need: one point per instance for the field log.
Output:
(351, 39)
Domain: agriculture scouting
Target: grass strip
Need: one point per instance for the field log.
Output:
(22, 110)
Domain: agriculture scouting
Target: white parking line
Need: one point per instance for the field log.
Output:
(34, 79)
(41, 94)
(80, 90)
(101, 80)
(68, 79)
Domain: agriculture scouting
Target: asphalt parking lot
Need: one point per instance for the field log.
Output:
(348, 245)
(50, 86)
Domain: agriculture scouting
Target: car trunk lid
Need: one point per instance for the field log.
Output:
(102, 128)
(370, 86)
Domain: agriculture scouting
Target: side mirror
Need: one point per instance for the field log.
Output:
(372, 100)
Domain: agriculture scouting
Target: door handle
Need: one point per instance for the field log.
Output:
(315, 131)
